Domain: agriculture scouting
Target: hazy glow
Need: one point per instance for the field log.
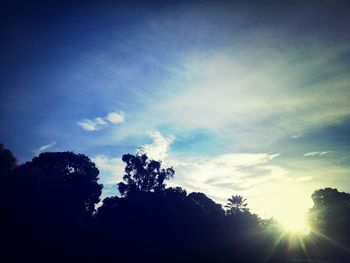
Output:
(292, 218)
(296, 225)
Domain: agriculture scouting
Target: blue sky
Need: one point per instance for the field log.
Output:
(248, 99)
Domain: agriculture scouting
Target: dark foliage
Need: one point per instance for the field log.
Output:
(142, 174)
(46, 204)
(7, 161)
(48, 215)
(330, 218)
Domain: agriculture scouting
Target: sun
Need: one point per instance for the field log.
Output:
(290, 211)
(295, 225)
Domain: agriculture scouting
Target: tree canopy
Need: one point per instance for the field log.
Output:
(236, 204)
(330, 212)
(61, 181)
(143, 174)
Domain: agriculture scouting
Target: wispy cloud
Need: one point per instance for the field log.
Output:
(100, 123)
(304, 178)
(240, 95)
(221, 175)
(296, 136)
(44, 148)
(342, 159)
(308, 154)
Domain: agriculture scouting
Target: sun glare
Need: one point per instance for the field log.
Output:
(290, 211)
(295, 226)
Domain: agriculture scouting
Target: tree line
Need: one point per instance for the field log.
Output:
(51, 212)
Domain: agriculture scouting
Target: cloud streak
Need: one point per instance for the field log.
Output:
(44, 148)
(100, 123)
(309, 154)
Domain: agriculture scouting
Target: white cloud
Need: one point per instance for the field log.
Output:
(111, 173)
(311, 154)
(100, 123)
(220, 176)
(44, 147)
(115, 117)
(326, 152)
(308, 154)
(93, 125)
(296, 136)
(111, 169)
(158, 149)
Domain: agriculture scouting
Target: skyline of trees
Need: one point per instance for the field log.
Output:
(50, 213)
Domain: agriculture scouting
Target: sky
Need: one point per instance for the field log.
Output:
(240, 98)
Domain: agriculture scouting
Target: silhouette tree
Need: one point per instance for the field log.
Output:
(7, 161)
(49, 201)
(9, 227)
(329, 219)
(61, 181)
(48, 214)
(208, 205)
(236, 204)
(331, 210)
(142, 174)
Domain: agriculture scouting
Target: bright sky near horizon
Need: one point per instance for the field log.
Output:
(249, 99)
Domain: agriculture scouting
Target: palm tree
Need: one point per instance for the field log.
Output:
(236, 204)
